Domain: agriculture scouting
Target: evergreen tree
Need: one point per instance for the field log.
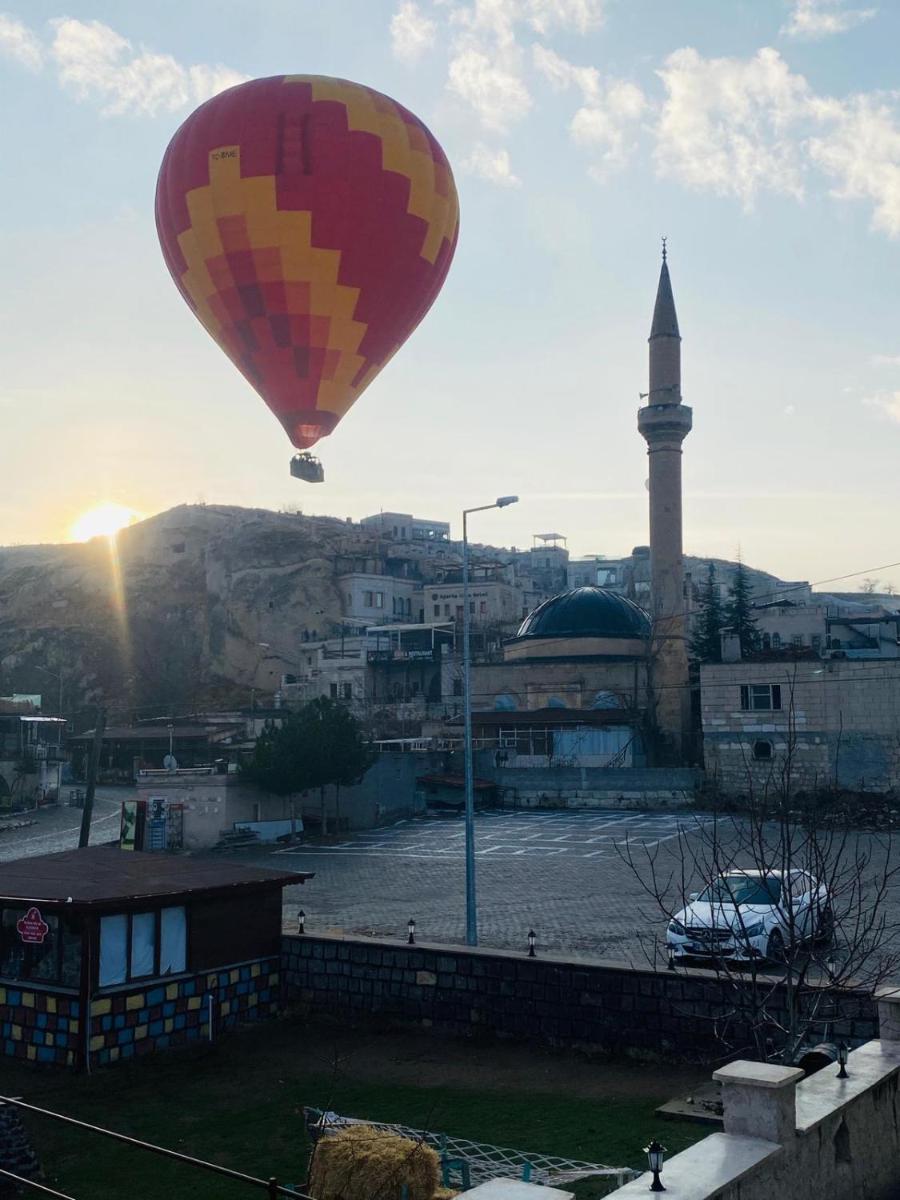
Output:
(707, 642)
(738, 615)
(320, 744)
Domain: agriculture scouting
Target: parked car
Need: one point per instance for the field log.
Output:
(752, 914)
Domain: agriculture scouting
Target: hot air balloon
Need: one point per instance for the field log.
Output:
(309, 222)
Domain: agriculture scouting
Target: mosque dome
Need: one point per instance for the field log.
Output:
(586, 612)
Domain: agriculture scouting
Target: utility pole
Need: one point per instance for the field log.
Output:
(93, 765)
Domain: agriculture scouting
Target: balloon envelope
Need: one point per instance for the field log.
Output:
(309, 222)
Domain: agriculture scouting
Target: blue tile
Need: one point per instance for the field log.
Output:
(156, 996)
(125, 1035)
(74, 1007)
(45, 1054)
(13, 998)
(169, 1008)
(180, 1020)
(40, 1020)
(189, 987)
(119, 1021)
(62, 1024)
(128, 1051)
(156, 1028)
(106, 1023)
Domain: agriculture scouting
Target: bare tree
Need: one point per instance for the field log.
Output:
(837, 937)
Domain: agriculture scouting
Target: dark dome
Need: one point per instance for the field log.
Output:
(586, 612)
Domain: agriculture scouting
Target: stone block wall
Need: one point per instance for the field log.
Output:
(39, 1025)
(562, 1002)
(131, 1022)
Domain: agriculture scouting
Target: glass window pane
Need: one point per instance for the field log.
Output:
(12, 949)
(41, 962)
(113, 949)
(173, 941)
(70, 932)
(143, 944)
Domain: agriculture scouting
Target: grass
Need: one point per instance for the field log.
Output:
(240, 1104)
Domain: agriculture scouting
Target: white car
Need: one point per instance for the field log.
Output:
(751, 914)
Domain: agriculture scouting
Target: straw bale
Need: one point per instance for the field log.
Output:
(362, 1163)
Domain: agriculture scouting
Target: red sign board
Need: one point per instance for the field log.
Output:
(32, 927)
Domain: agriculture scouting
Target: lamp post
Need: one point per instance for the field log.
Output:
(655, 1157)
(471, 911)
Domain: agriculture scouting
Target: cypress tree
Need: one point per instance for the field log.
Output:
(707, 642)
(739, 612)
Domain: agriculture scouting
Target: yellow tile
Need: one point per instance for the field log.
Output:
(99, 1008)
(169, 1024)
(48, 1039)
(235, 976)
(140, 1032)
(171, 991)
(134, 1002)
(114, 1054)
(273, 979)
(70, 1058)
(28, 999)
(73, 1026)
(31, 1051)
(51, 1004)
(255, 969)
(224, 1008)
(16, 1031)
(212, 980)
(97, 1041)
(252, 1000)
(194, 1002)
(2, 995)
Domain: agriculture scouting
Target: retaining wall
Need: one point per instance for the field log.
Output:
(561, 1001)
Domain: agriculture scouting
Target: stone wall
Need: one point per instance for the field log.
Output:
(839, 720)
(559, 1001)
(596, 787)
(134, 1021)
(809, 1139)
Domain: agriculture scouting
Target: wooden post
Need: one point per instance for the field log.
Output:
(93, 765)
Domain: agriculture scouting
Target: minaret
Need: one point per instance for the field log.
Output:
(665, 422)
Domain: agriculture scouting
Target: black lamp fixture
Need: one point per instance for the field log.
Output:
(842, 1060)
(411, 927)
(656, 1154)
(531, 941)
(671, 959)
(301, 921)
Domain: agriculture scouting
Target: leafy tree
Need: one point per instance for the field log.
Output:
(707, 642)
(738, 616)
(319, 745)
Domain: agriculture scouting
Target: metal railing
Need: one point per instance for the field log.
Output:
(271, 1186)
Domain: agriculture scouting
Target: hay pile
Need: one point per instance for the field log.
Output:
(362, 1163)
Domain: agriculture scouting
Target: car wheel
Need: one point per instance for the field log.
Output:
(775, 946)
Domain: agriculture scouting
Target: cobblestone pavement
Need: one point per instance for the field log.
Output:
(57, 828)
(559, 873)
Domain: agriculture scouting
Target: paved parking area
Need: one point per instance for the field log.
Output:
(560, 873)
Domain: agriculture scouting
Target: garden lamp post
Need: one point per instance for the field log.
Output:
(656, 1154)
(471, 910)
(842, 1060)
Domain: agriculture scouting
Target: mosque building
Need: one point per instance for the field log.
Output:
(591, 678)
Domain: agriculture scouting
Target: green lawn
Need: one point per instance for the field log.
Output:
(240, 1104)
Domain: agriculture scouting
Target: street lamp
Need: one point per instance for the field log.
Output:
(471, 911)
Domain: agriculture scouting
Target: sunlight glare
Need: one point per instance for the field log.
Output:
(103, 521)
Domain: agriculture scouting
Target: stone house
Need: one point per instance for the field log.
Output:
(833, 721)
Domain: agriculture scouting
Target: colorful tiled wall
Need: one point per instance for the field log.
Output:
(126, 1024)
(39, 1026)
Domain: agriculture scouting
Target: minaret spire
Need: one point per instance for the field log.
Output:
(665, 422)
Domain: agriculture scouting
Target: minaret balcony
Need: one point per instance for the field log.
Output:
(660, 423)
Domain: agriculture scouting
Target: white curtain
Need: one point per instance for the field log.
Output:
(143, 944)
(173, 941)
(113, 949)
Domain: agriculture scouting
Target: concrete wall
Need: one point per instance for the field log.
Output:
(821, 1138)
(576, 684)
(561, 1001)
(212, 803)
(844, 721)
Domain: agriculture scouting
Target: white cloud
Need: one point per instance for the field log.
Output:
(19, 43)
(412, 32)
(492, 86)
(888, 403)
(576, 16)
(885, 360)
(98, 63)
(606, 119)
(821, 18)
(726, 123)
(490, 164)
(860, 149)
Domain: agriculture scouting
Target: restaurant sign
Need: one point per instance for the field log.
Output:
(32, 927)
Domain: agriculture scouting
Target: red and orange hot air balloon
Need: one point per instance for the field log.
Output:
(309, 222)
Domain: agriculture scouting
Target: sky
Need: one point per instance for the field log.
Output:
(762, 137)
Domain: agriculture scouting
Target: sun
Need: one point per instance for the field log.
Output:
(103, 521)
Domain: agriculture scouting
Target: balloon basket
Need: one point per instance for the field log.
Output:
(308, 468)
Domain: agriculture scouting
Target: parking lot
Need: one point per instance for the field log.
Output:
(559, 873)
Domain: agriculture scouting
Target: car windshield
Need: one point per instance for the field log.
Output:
(743, 889)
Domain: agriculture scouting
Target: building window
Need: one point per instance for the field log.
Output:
(379, 599)
(761, 697)
(446, 610)
(437, 610)
(766, 641)
(332, 688)
(348, 691)
(762, 751)
(797, 639)
(144, 944)
(482, 607)
(776, 641)
(368, 600)
(816, 642)
(457, 687)
(57, 959)
(472, 608)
